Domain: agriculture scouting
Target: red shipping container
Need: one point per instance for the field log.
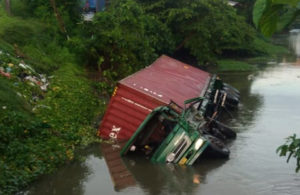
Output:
(138, 94)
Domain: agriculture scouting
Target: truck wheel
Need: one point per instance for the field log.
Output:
(224, 129)
(229, 87)
(216, 133)
(232, 93)
(216, 148)
(232, 99)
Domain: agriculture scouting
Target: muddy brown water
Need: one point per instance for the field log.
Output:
(268, 113)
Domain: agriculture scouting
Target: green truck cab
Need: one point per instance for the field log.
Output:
(166, 136)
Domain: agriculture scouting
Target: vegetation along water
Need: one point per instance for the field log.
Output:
(57, 70)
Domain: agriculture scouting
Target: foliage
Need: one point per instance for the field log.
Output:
(273, 15)
(206, 28)
(37, 43)
(68, 9)
(234, 65)
(36, 136)
(265, 47)
(291, 149)
(245, 8)
(131, 34)
(122, 40)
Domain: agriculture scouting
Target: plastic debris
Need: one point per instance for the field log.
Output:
(43, 78)
(41, 106)
(44, 87)
(26, 67)
(8, 69)
(33, 79)
(5, 74)
(4, 107)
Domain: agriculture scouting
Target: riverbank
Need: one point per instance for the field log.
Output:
(265, 50)
(48, 106)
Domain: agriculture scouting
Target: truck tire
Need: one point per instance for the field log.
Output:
(232, 99)
(216, 133)
(216, 148)
(224, 129)
(232, 93)
(230, 88)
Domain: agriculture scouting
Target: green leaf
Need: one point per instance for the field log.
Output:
(290, 155)
(268, 21)
(259, 8)
(286, 18)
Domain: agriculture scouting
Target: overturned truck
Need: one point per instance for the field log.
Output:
(166, 82)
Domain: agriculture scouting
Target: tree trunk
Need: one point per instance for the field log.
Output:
(7, 6)
(59, 18)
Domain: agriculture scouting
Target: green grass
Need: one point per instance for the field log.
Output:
(36, 142)
(227, 65)
(265, 47)
(39, 44)
(38, 136)
(264, 51)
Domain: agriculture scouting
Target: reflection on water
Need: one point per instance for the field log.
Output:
(268, 113)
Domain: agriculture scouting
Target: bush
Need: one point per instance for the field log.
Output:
(207, 28)
(123, 39)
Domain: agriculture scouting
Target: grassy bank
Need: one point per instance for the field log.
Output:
(47, 105)
(234, 65)
(264, 51)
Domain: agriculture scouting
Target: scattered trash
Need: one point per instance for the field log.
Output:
(44, 87)
(5, 74)
(33, 79)
(4, 107)
(40, 106)
(8, 69)
(26, 67)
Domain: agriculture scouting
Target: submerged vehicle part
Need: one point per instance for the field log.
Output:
(216, 148)
(178, 143)
(162, 82)
(224, 129)
(166, 136)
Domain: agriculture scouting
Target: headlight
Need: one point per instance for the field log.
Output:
(170, 157)
(198, 143)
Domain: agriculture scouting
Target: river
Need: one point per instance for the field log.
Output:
(268, 113)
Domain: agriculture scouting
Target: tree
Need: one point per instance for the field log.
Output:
(206, 28)
(63, 13)
(123, 39)
(271, 16)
